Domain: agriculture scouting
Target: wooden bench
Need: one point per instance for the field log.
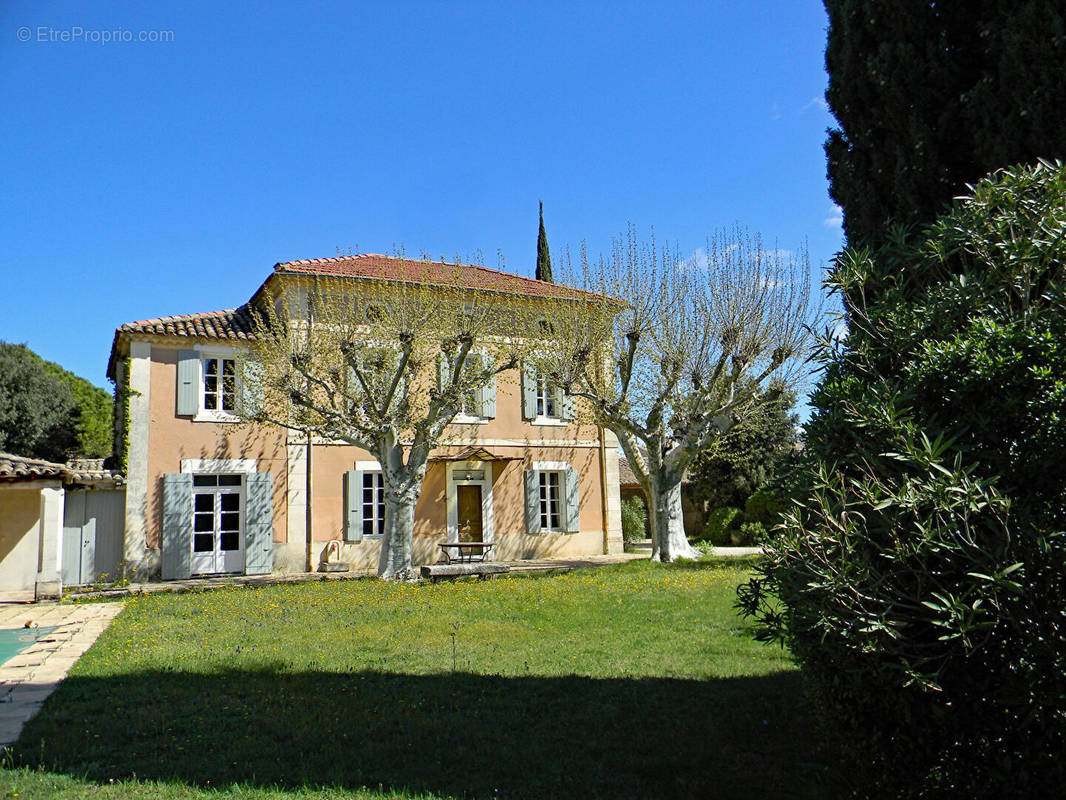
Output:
(484, 570)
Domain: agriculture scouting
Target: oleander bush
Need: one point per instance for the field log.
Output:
(920, 579)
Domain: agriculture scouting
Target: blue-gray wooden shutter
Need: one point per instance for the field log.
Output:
(567, 405)
(573, 501)
(188, 383)
(259, 523)
(176, 553)
(532, 501)
(529, 391)
(353, 505)
(487, 393)
(250, 399)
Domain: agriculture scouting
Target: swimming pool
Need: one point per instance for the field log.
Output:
(14, 640)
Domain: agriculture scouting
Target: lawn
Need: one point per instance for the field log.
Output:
(637, 680)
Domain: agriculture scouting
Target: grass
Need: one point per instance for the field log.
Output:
(637, 680)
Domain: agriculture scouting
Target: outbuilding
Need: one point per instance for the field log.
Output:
(47, 508)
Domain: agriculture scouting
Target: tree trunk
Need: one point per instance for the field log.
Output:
(403, 486)
(397, 545)
(669, 542)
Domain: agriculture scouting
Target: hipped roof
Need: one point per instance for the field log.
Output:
(235, 324)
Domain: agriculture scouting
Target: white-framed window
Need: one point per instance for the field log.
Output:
(218, 389)
(551, 518)
(468, 409)
(543, 402)
(478, 405)
(547, 399)
(373, 504)
(553, 498)
(209, 384)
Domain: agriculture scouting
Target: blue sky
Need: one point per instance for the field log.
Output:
(142, 179)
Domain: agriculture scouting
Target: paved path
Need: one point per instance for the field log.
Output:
(29, 678)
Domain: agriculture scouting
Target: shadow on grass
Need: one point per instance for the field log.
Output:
(450, 734)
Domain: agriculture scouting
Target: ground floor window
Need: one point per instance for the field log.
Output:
(373, 504)
(550, 501)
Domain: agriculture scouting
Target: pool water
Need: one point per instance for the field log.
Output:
(13, 641)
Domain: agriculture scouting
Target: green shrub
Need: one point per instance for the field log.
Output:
(754, 454)
(748, 535)
(634, 519)
(764, 507)
(720, 522)
(704, 550)
(919, 578)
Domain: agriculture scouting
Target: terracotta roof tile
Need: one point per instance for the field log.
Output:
(233, 323)
(374, 266)
(92, 471)
(626, 476)
(88, 471)
(236, 323)
(14, 468)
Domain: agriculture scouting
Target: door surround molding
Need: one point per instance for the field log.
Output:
(452, 480)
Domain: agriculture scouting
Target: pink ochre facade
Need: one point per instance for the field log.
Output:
(208, 494)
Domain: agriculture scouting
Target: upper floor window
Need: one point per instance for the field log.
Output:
(209, 385)
(220, 384)
(470, 406)
(477, 405)
(546, 399)
(543, 402)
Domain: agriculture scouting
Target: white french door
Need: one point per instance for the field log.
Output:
(218, 524)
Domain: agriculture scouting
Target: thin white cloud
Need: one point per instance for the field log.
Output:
(700, 260)
(835, 218)
(816, 102)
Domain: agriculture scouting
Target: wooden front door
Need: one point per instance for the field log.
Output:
(468, 501)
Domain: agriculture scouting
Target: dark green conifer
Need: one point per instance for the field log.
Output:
(932, 96)
(544, 261)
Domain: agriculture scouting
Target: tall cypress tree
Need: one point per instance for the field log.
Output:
(931, 96)
(544, 261)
